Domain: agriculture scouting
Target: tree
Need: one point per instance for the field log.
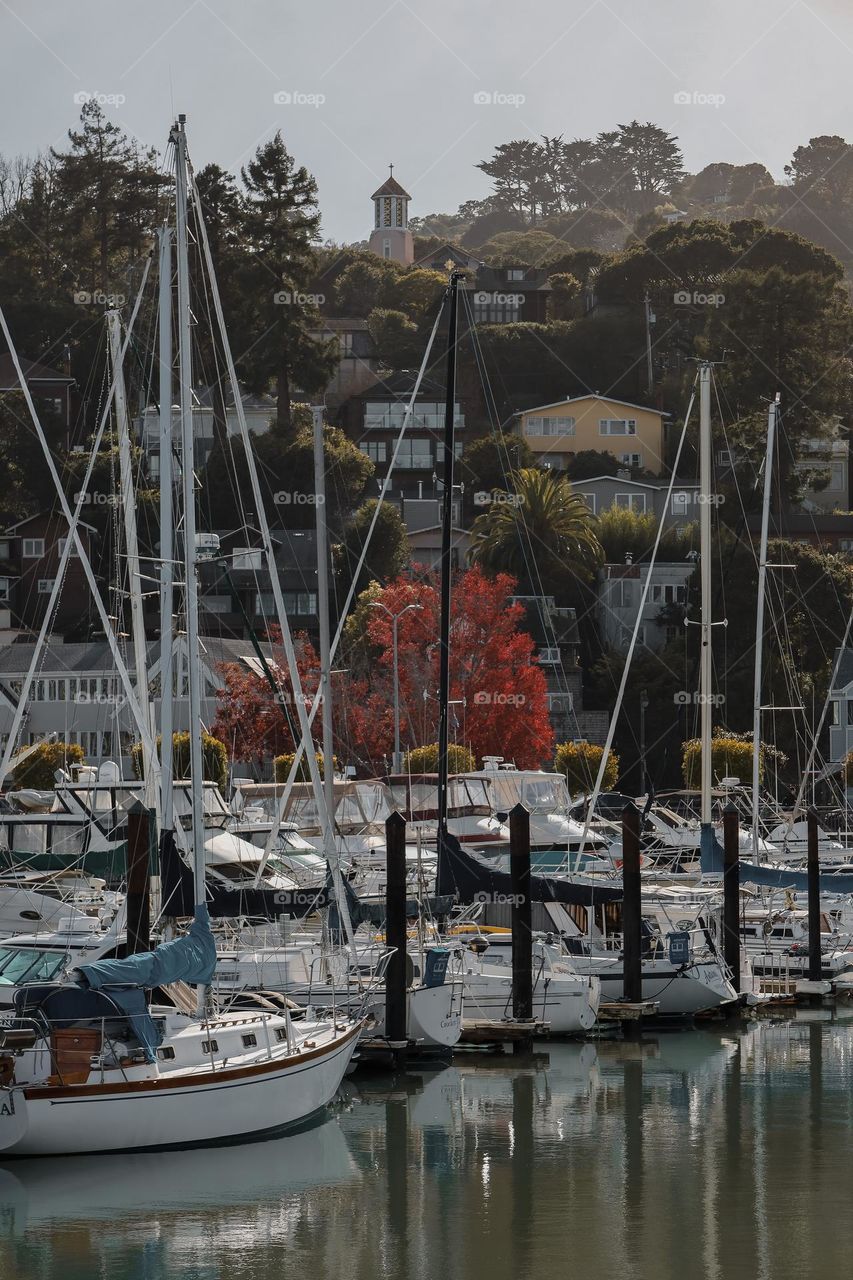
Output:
(651, 155)
(623, 533)
(488, 464)
(256, 721)
(731, 757)
(281, 222)
(396, 338)
(587, 463)
(580, 762)
(366, 283)
(38, 771)
(516, 169)
(425, 759)
(523, 249)
(214, 757)
(388, 556)
(565, 290)
(285, 461)
(544, 535)
(498, 691)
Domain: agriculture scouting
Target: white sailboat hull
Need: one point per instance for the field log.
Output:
(174, 1109)
(677, 992)
(568, 1005)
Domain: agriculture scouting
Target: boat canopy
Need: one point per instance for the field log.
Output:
(471, 876)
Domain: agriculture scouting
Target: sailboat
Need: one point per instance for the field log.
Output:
(89, 1066)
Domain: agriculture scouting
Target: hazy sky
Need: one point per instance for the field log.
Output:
(381, 80)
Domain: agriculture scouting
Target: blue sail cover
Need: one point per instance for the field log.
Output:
(711, 861)
(191, 958)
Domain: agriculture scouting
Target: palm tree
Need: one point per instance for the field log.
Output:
(540, 533)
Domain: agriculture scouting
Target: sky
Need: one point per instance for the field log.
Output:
(432, 87)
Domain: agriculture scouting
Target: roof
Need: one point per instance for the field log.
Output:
(390, 187)
(845, 669)
(678, 487)
(95, 655)
(33, 372)
(45, 515)
(592, 395)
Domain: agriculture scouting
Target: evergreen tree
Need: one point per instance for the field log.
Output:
(281, 221)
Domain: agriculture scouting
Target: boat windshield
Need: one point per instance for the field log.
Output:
(29, 964)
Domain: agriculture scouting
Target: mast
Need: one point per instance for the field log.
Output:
(128, 507)
(188, 487)
(759, 619)
(446, 527)
(705, 665)
(166, 536)
(329, 842)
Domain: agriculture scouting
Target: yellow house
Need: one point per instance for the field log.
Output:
(631, 432)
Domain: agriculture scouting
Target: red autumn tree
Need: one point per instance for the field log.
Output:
(498, 692)
(255, 722)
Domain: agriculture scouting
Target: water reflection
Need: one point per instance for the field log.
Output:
(715, 1154)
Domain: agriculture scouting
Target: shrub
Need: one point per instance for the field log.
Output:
(425, 759)
(39, 768)
(580, 762)
(214, 756)
(284, 763)
(731, 757)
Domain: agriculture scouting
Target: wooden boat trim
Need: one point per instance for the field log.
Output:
(188, 1079)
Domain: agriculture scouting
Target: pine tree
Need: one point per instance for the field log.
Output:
(282, 223)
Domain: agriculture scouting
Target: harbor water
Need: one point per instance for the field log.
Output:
(719, 1154)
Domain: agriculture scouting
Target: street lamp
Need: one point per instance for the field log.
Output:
(397, 763)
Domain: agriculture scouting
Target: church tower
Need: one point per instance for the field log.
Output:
(391, 237)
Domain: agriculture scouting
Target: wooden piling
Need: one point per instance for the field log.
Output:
(138, 879)
(632, 928)
(731, 893)
(522, 921)
(395, 927)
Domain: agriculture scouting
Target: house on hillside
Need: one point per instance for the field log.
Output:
(644, 497)
(30, 553)
(633, 433)
(48, 387)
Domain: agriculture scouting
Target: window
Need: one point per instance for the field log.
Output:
(554, 426)
(5, 588)
(250, 1041)
(834, 713)
(210, 1046)
(33, 548)
(845, 544)
(837, 476)
(631, 459)
(850, 713)
(631, 501)
(45, 586)
(550, 656)
(680, 503)
(166, 1054)
(515, 273)
(303, 603)
(61, 546)
(560, 703)
(376, 450)
(415, 455)
(247, 558)
(622, 594)
(617, 426)
(345, 340)
(668, 593)
(386, 248)
(534, 427)
(216, 604)
(591, 501)
(281, 1033)
(724, 457)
